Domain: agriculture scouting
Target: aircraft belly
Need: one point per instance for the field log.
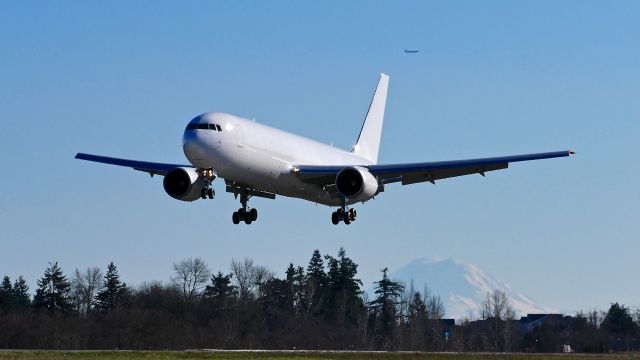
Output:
(255, 169)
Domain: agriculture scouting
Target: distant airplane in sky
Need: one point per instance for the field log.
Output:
(258, 160)
(411, 51)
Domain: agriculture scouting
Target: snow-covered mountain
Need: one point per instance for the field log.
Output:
(461, 286)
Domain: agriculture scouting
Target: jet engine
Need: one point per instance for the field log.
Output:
(183, 184)
(356, 184)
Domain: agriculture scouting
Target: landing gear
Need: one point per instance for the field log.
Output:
(335, 218)
(244, 213)
(207, 191)
(343, 214)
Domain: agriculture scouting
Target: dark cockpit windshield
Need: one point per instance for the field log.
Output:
(214, 127)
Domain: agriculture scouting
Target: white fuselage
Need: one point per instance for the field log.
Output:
(262, 157)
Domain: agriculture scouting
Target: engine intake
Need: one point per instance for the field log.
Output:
(183, 184)
(356, 184)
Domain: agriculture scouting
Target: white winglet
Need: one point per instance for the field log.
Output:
(368, 142)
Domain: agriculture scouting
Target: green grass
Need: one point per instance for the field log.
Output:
(166, 355)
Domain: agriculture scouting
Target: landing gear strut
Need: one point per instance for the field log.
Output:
(343, 214)
(207, 191)
(244, 213)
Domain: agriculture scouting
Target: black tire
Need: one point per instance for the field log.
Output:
(242, 213)
(346, 220)
(203, 193)
(353, 214)
(335, 218)
(235, 218)
(211, 193)
(253, 214)
(247, 220)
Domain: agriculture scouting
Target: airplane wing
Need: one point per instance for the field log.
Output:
(412, 173)
(149, 167)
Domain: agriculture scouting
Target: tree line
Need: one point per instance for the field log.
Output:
(320, 306)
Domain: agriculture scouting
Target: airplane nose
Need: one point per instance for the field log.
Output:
(193, 146)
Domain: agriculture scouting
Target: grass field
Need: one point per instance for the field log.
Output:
(196, 355)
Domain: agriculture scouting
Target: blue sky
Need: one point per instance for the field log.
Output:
(491, 78)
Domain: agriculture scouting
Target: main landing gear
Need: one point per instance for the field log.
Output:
(207, 191)
(343, 214)
(244, 213)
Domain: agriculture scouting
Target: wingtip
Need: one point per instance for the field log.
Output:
(571, 152)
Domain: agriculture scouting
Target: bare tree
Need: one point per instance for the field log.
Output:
(84, 288)
(496, 308)
(248, 277)
(435, 307)
(190, 276)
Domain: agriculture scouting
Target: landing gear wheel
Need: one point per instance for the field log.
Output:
(235, 218)
(203, 193)
(335, 218)
(346, 220)
(253, 214)
(211, 193)
(247, 220)
(352, 214)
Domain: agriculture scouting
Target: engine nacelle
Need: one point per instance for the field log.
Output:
(356, 184)
(183, 184)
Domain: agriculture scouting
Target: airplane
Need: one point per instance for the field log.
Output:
(411, 51)
(256, 160)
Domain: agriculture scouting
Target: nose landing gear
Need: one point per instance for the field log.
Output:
(207, 191)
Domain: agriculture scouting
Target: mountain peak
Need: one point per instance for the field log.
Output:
(461, 286)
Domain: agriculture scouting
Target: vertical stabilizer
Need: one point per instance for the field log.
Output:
(369, 140)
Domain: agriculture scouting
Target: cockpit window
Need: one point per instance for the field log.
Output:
(205, 126)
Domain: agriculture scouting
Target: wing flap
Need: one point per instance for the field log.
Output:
(438, 174)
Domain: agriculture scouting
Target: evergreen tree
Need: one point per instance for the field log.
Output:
(220, 287)
(333, 295)
(315, 269)
(352, 305)
(277, 303)
(113, 290)
(343, 303)
(20, 293)
(5, 287)
(620, 325)
(53, 290)
(5, 294)
(384, 308)
(296, 282)
(315, 284)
